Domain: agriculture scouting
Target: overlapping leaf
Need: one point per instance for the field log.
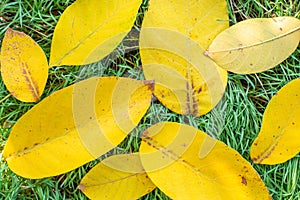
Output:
(173, 37)
(279, 138)
(169, 154)
(88, 30)
(117, 177)
(76, 125)
(255, 45)
(24, 66)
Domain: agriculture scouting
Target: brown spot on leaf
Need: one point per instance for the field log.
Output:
(195, 102)
(199, 90)
(244, 181)
(33, 87)
(150, 84)
(260, 158)
(187, 87)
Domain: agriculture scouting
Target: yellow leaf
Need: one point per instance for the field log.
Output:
(111, 180)
(255, 45)
(88, 30)
(24, 66)
(76, 125)
(169, 154)
(173, 37)
(279, 138)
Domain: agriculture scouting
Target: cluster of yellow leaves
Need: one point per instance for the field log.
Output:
(188, 58)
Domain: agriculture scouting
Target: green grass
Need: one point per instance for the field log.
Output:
(237, 118)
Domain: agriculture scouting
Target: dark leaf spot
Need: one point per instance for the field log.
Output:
(244, 181)
(200, 90)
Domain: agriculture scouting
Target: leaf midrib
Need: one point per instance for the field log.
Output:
(32, 86)
(110, 182)
(257, 43)
(268, 151)
(88, 36)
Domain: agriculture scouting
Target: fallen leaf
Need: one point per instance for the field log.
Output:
(111, 180)
(279, 138)
(255, 45)
(89, 30)
(173, 37)
(76, 125)
(169, 154)
(24, 66)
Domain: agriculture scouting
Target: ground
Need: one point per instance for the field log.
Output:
(243, 104)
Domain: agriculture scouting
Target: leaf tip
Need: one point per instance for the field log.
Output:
(9, 30)
(81, 187)
(255, 160)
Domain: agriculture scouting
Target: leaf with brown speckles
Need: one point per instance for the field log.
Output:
(117, 177)
(169, 154)
(255, 45)
(76, 125)
(24, 66)
(173, 37)
(279, 138)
